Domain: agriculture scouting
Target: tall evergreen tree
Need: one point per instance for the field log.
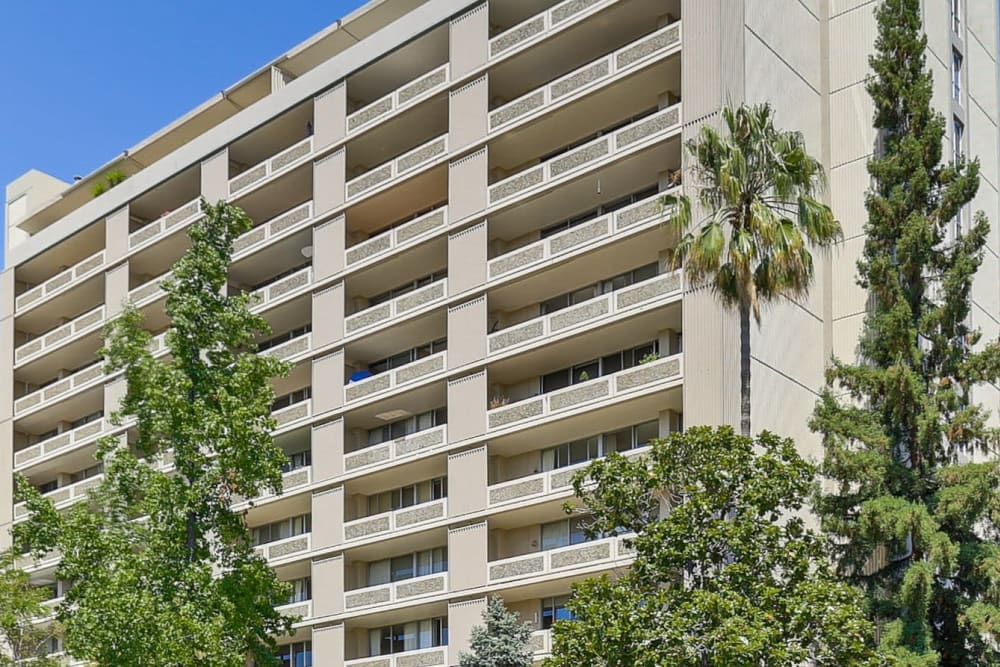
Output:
(163, 571)
(913, 514)
(502, 640)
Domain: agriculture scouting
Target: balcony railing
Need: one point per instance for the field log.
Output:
(77, 437)
(425, 657)
(408, 94)
(591, 75)
(618, 223)
(290, 348)
(397, 377)
(89, 321)
(150, 291)
(540, 642)
(396, 592)
(595, 152)
(166, 223)
(279, 226)
(398, 237)
(301, 610)
(290, 546)
(277, 163)
(262, 298)
(396, 520)
(396, 449)
(541, 24)
(61, 281)
(397, 307)
(541, 563)
(293, 413)
(412, 160)
(600, 390)
(596, 310)
(290, 481)
(63, 496)
(89, 376)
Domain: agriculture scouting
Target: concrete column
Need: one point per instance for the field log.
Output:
(215, 177)
(329, 182)
(116, 236)
(330, 116)
(328, 316)
(328, 586)
(329, 240)
(328, 450)
(670, 422)
(469, 37)
(114, 392)
(468, 554)
(328, 645)
(328, 383)
(468, 477)
(467, 333)
(467, 259)
(115, 289)
(462, 617)
(328, 518)
(467, 182)
(468, 114)
(467, 407)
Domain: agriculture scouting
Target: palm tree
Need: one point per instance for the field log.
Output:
(758, 186)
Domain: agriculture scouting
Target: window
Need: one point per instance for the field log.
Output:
(280, 530)
(412, 636)
(301, 590)
(596, 368)
(564, 532)
(298, 460)
(408, 566)
(86, 473)
(603, 287)
(598, 212)
(298, 654)
(93, 416)
(285, 337)
(407, 496)
(595, 447)
(407, 287)
(956, 15)
(554, 609)
(294, 397)
(956, 75)
(404, 427)
(409, 356)
(48, 486)
(958, 136)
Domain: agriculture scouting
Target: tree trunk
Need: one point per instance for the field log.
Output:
(745, 368)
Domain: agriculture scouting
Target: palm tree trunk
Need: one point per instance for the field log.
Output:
(745, 368)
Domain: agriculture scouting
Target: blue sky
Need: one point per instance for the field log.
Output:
(86, 80)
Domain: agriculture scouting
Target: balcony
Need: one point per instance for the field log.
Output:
(633, 380)
(425, 657)
(399, 591)
(275, 228)
(378, 247)
(60, 282)
(542, 25)
(606, 552)
(540, 643)
(296, 545)
(397, 377)
(403, 97)
(57, 443)
(396, 520)
(613, 146)
(401, 306)
(280, 162)
(627, 59)
(599, 310)
(88, 377)
(290, 481)
(614, 225)
(149, 292)
(290, 348)
(83, 324)
(63, 496)
(407, 163)
(165, 224)
(293, 413)
(301, 610)
(281, 289)
(394, 450)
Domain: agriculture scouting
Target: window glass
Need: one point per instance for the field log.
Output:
(554, 609)
(587, 371)
(618, 441)
(555, 535)
(554, 381)
(646, 432)
(402, 567)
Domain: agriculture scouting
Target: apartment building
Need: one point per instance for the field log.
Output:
(459, 244)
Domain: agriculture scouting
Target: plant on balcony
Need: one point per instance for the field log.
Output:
(502, 640)
(649, 358)
(164, 571)
(23, 641)
(499, 402)
(111, 179)
(725, 572)
(758, 217)
(910, 453)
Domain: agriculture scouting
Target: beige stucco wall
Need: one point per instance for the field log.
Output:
(467, 482)
(467, 407)
(467, 333)
(330, 113)
(467, 551)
